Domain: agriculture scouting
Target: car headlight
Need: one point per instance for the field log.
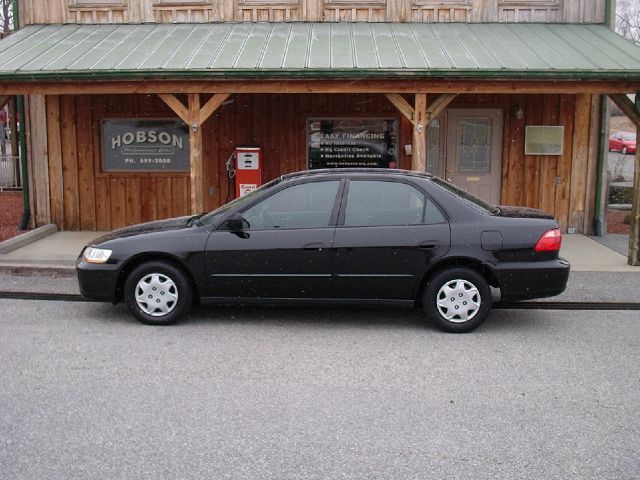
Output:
(96, 255)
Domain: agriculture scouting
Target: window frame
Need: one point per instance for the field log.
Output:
(425, 197)
(333, 213)
(98, 4)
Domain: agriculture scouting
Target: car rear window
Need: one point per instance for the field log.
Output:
(467, 198)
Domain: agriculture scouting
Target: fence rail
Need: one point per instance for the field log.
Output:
(10, 175)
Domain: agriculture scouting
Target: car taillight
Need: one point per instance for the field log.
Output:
(550, 241)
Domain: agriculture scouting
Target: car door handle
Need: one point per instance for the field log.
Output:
(311, 247)
(430, 245)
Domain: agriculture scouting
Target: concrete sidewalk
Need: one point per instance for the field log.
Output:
(599, 273)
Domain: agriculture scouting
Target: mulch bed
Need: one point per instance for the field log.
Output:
(10, 213)
(615, 222)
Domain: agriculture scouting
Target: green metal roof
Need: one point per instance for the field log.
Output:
(507, 50)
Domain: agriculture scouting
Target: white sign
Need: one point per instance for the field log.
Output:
(246, 188)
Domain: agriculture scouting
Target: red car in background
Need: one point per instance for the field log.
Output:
(624, 142)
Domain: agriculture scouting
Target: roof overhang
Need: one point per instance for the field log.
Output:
(318, 57)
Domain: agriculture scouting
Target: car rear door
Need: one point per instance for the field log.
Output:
(285, 251)
(388, 234)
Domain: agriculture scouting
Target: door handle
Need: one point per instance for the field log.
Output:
(313, 247)
(430, 245)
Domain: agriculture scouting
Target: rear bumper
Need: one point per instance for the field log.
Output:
(97, 282)
(529, 280)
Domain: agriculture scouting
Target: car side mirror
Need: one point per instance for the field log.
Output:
(236, 222)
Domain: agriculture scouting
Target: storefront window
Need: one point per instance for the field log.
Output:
(352, 142)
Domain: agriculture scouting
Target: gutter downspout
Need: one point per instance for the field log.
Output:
(600, 213)
(19, 100)
(26, 211)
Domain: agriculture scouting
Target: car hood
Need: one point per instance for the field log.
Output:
(142, 228)
(522, 212)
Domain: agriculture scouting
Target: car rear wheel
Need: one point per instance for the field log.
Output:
(158, 293)
(457, 299)
(624, 150)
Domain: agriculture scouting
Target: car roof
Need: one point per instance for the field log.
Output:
(356, 172)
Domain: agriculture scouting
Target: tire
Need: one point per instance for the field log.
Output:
(457, 299)
(163, 284)
(624, 150)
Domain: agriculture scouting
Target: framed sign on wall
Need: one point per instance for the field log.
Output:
(352, 142)
(543, 140)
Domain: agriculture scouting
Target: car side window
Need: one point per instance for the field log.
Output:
(307, 205)
(379, 203)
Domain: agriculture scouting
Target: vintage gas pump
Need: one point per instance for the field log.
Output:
(245, 165)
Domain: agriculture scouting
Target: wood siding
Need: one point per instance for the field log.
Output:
(140, 11)
(73, 192)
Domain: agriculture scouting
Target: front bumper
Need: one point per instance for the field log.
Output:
(97, 282)
(529, 280)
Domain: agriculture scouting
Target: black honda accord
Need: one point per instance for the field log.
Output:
(333, 237)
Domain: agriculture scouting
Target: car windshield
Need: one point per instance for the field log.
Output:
(629, 137)
(215, 215)
(466, 197)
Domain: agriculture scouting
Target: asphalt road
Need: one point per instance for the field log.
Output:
(87, 393)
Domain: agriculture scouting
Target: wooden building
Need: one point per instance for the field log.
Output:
(502, 97)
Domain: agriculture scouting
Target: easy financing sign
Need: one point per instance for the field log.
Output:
(132, 145)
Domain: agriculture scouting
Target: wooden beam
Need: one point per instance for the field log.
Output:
(195, 151)
(627, 106)
(402, 105)
(211, 106)
(629, 109)
(176, 105)
(579, 162)
(194, 117)
(4, 99)
(439, 105)
(398, 85)
(419, 147)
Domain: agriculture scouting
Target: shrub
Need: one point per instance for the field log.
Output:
(620, 195)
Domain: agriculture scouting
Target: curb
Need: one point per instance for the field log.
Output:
(31, 270)
(26, 238)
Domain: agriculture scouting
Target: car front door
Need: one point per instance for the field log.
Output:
(388, 234)
(284, 250)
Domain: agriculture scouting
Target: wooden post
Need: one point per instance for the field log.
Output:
(629, 109)
(419, 148)
(195, 147)
(634, 234)
(194, 117)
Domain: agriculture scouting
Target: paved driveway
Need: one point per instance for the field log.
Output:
(311, 393)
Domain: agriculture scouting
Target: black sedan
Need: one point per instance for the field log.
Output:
(333, 237)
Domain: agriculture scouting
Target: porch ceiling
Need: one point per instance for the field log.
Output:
(318, 51)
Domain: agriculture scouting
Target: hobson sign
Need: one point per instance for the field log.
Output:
(140, 145)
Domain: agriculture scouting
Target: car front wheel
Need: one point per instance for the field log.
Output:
(158, 293)
(457, 299)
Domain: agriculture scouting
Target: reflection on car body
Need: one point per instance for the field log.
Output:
(329, 237)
